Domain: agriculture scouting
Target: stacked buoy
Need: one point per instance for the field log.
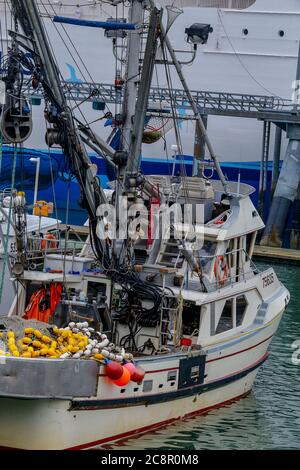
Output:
(98, 344)
(119, 364)
(121, 375)
(34, 344)
(76, 341)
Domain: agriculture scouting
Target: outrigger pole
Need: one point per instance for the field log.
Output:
(107, 25)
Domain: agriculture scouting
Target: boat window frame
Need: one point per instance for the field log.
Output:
(244, 312)
(232, 315)
(234, 324)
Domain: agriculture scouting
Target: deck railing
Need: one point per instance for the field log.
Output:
(220, 271)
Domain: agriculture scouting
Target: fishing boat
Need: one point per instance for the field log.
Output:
(166, 275)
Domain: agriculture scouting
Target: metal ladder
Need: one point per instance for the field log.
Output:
(166, 255)
(169, 318)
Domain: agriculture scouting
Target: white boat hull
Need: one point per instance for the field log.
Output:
(39, 424)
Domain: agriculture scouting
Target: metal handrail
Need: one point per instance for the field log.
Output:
(34, 245)
(232, 279)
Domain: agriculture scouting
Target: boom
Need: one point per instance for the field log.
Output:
(62, 129)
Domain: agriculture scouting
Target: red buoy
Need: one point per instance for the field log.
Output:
(131, 368)
(139, 375)
(114, 370)
(124, 380)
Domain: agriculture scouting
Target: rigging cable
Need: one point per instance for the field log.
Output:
(75, 49)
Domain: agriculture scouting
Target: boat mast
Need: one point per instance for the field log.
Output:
(61, 128)
(134, 162)
(136, 16)
(138, 80)
(199, 121)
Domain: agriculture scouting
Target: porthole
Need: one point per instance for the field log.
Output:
(281, 33)
(245, 32)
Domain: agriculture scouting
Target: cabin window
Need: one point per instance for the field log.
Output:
(97, 289)
(226, 319)
(241, 255)
(206, 255)
(233, 314)
(250, 245)
(190, 319)
(241, 307)
(148, 386)
(281, 33)
(245, 32)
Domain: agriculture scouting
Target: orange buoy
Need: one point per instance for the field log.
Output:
(124, 380)
(114, 370)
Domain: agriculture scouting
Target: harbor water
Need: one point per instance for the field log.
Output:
(269, 418)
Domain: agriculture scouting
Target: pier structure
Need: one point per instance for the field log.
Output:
(288, 184)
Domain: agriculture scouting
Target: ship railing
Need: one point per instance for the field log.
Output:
(38, 248)
(6, 192)
(226, 269)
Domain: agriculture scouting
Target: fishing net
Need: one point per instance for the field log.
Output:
(156, 128)
(18, 325)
